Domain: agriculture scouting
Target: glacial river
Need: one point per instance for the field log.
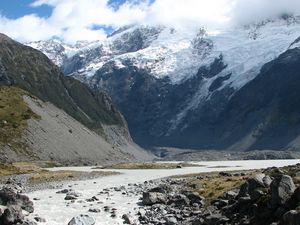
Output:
(54, 209)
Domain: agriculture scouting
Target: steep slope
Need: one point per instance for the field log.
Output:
(41, 131)
(270, 118)
(29, 69)
(33, 71)
(173, 86)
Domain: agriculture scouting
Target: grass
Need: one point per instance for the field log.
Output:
(8, 169)
(14, 114)
(38, 174)
(150, 165)
(51, 176)
(212, 185)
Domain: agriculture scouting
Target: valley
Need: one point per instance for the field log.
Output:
(131, 112)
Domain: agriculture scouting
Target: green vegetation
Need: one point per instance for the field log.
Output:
(32, 71)
(14, 114)
(212, 185)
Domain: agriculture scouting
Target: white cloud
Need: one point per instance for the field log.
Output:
(247, 11)
(74, 19)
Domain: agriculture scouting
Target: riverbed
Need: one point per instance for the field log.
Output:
(57, 211)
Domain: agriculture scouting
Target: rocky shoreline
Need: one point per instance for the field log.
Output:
(261, 197)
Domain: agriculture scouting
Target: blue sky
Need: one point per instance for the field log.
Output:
(18, 8)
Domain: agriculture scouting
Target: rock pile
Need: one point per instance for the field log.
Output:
(260, 200)
(14, 207)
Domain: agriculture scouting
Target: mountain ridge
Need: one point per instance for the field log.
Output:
(179, 82)
(92, 113)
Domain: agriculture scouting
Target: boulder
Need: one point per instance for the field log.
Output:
(163, 188)
(127, 219)
(216, 219)
(9, 197)
(282, 188)
(171, 221)
(82, 220)
(12, 215)
(151, 198)
(294, 201)
(195, 197)
(70, 197)
(291, 218)
(180, 201)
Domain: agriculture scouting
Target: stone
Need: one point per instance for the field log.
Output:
(195, 197)
(216, 219)
(163, 188)
(282, 188)
(181, 200)
(82, 220)
(171, 221)
(94, 210)
(225, 174)
(291, 218)
(220, 203)
(28, 222)
(127, 219)
(243, 190)
(39, 219)
(64, 191)
(231, 194)
(294, 201)
(151, 198)
(9, 197)
(70, 197)
(12, 215)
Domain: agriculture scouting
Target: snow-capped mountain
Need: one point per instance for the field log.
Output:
(173, 85)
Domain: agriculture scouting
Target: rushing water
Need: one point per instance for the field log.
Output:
(54, 209)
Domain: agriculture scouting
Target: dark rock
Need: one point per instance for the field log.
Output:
(70, 197)
(291, 218)
(127, 219)
(195, 197)
(220, 203)
(294, 201)
(64, 191)
(282, 188)
(151, 198)
(9, 197)
(216, 219)
(225, 174)
(180, 200)
(12, 215)
(39, 219)
(163, 188)
(28, 222)
(94, 210)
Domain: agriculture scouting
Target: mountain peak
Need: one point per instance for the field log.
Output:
(5, 38)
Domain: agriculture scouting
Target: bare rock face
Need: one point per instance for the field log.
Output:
(82, 220)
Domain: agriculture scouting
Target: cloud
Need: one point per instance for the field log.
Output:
(248, 11)
(74, 20)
